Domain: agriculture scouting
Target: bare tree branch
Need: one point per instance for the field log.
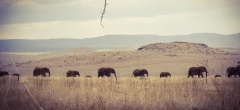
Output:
(104, 9)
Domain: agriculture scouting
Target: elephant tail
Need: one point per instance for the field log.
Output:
(227, 72)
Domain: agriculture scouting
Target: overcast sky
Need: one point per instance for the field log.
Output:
(44, 19)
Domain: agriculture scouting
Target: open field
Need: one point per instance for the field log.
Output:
(60, 93)
(175, 58)
(177, 92)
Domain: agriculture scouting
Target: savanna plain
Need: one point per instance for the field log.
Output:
(177, 92)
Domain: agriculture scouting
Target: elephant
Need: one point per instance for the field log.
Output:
(106, 72)
(194, 71)
(197, 71)
(217, 76)
(16, 74)
(165, 74)
(233, 71)
(41, 71)
(71, 73)
(140, 72)
(3, 73)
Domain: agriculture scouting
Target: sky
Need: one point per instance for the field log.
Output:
(51, 19)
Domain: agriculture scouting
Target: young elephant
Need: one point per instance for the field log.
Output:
(71, 73)
(140, 72)
(218, 76)
(165, 74)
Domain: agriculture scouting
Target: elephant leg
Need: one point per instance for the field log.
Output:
(202, 75)
(99, 75)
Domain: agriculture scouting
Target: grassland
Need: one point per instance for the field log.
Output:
(176, 93)
(128, 93)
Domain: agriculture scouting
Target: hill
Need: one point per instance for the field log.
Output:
(183, 47)
(116, 42)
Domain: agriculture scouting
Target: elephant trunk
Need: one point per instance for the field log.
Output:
(115, 77)
(49, 74)
(205, 69)
(147, 74)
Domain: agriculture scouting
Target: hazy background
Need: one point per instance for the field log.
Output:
(44, 19)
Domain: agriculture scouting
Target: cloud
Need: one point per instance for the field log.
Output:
(81, 18)
(30, 11)
(143, 8)
(171, 24)
(52, 10)
(52, 29)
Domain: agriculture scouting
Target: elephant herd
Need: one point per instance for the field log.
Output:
(140, 72)
(137, 72)
(5, 73)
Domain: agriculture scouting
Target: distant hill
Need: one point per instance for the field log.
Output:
(182, 47)
(116, 42)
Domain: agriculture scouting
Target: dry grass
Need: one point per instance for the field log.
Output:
(60, 93)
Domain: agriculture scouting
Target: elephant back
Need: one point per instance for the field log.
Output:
(136, 72)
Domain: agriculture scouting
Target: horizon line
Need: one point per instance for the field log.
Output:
(116, 35)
